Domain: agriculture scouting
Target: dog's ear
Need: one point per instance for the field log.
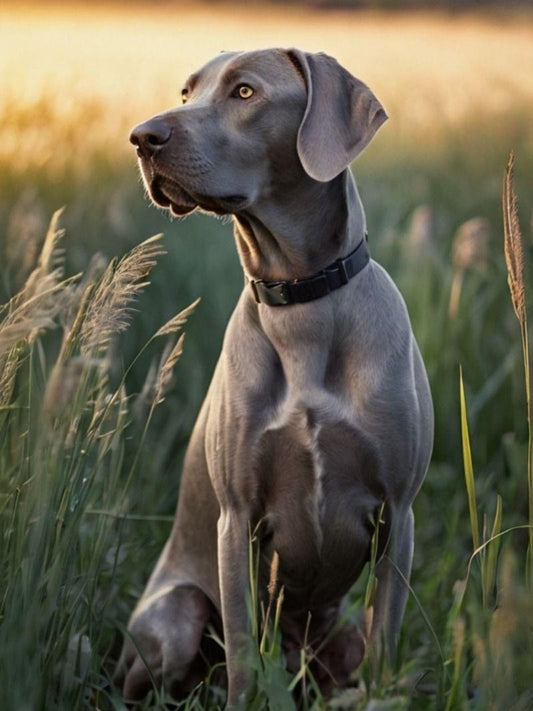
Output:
(341, 117)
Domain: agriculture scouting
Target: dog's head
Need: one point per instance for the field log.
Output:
(252, 124)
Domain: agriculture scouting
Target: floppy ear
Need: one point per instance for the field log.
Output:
(341, 117)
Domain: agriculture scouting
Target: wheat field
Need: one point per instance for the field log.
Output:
(104, 67)
(99, 390)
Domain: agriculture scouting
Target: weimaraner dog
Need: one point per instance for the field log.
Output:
(319, 415)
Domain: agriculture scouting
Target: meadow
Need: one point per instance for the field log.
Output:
(97, 397)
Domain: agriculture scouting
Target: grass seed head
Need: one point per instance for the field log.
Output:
(165, 375)
(37, 304)
(274, 576)
(109, 311)
(513, 244)
(470, 249)
(421, 230)
(176, 322)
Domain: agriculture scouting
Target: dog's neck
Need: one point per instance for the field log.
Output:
(286, 243)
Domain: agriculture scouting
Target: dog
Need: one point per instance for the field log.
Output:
(318, 419)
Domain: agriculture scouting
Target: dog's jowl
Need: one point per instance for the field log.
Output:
(318, 420)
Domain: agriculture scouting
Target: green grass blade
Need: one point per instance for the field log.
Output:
(489, 568)
(468, 466)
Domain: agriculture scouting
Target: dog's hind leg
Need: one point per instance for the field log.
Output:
(164, 638)
(165, 630)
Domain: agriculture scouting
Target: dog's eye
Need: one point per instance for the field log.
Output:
(243, 91)
(184, 96)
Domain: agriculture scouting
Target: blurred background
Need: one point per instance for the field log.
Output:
(456, 79)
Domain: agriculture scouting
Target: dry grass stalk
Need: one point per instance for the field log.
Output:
(177, 321)
(29, 313)
(272, 588)
(274, 575)
(78, 292)
(145, 399)
(36, 305)
(109, 310)
(171, 357)
(469, 251)
(420, 237)
(50, 266)
(455, 293)
(8, 371)
(165, 374)
(71, 335)
(513, 244)
(52, 255)
(23, 326)
(47, 273)
(514, 258)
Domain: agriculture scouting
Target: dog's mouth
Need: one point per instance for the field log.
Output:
(170, 194)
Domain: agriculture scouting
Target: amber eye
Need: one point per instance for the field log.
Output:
(244, 91)
(184, 96)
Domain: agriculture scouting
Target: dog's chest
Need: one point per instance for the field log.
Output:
(319, 491)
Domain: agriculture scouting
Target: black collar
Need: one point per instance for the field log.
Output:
(283, 293)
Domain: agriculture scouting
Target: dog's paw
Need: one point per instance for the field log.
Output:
(163, 639)
(337, 660)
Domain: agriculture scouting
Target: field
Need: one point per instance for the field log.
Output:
(95, 414)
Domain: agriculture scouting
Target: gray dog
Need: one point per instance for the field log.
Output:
(319, 413)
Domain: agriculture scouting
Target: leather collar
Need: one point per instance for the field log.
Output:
(297, 291)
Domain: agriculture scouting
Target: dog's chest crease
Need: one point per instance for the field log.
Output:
(318, 493)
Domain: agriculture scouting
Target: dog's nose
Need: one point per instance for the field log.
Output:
(150, 136)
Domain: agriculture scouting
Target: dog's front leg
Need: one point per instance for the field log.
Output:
(233, 579)
(393, 572)
(233, 444)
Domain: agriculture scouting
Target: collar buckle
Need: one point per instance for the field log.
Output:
(342, 266)
(272, 293)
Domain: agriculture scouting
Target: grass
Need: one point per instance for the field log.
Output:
(91, 446)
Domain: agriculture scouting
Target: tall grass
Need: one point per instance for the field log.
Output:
(493, 627)
(66, 422)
